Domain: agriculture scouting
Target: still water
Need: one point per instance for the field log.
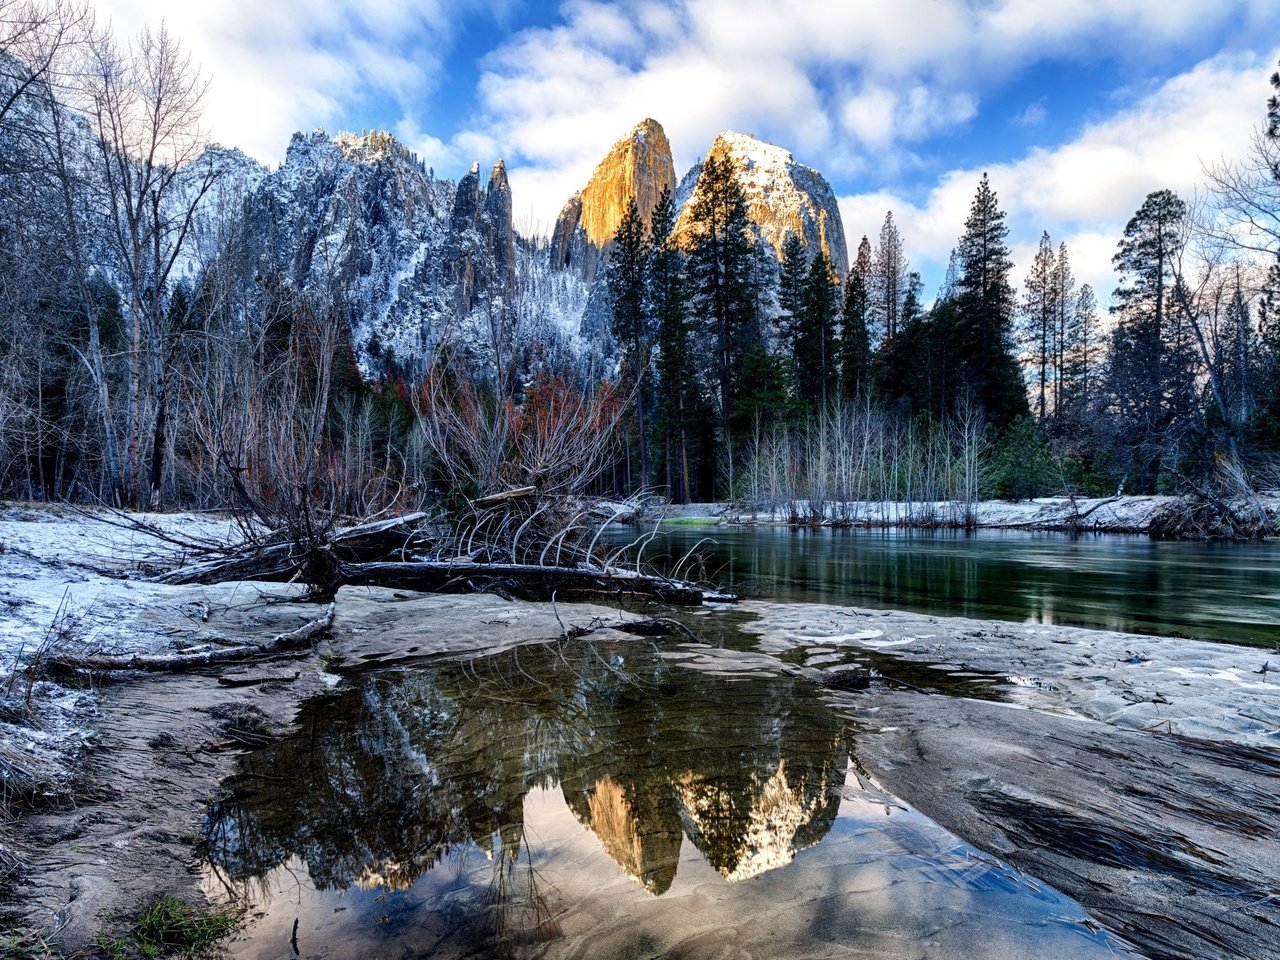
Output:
(1212, 591)
(603, 799)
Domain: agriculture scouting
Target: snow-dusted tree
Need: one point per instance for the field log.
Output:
(146, 102)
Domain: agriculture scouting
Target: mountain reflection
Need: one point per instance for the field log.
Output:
(382, 782)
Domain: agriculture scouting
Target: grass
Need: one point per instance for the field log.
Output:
(170, 927)
(691, 521)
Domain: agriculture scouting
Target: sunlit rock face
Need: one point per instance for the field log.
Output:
(640, 835)
(638, 167)
(782, 196)
(745, 834)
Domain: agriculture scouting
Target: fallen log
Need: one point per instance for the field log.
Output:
(286, 642)
(527, 581)
(278, 557)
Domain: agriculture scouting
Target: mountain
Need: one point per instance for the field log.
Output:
(782, 196)
(638, 166)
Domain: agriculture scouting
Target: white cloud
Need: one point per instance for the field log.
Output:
(280, 67)
(847, 87)
(1084, 191)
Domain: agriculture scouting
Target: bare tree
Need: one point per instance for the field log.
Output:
(146, 101)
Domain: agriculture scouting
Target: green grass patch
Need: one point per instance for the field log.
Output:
(170, 927)
(691, 521)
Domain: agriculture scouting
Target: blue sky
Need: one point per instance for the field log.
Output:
(1077, 108)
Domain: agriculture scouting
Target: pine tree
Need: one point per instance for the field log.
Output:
(1082, 353)
(988, 371)
(1064, 292)
(855, 339)
(680, 409)
(794, 266)
(887, 283)
(1150, 379)
(722, 278)
(627, 280)
(1040, 320)
(814, 341)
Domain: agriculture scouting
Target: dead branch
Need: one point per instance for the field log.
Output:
(289, 641)
(527, 581)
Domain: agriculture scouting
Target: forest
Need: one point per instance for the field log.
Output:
(146, 362)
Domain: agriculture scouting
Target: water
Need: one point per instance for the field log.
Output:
(1211, 591)
(598, 799)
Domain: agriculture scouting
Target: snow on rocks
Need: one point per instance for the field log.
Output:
(1163, 684)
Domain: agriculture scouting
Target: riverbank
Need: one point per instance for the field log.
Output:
(1159, 515)
(1134, 773)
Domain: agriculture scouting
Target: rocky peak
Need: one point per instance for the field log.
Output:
(637, 167)
(782, 197)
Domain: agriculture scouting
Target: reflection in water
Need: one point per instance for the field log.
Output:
(385, 780)
(1213, 591)
(594, 799)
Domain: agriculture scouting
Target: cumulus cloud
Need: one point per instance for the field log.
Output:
(854, 89)
(1084, 191)
(281, 67)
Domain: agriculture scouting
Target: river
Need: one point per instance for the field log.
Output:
(1211, 591)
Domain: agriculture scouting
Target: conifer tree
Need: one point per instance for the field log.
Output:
(680, 409)
(722, 278)
(887, 280)
(1150, 380)
(1064, 292)
(627, 280)
(988, 371)
(814, 340)
(1040, 321)
(794, 266)
(855, 339)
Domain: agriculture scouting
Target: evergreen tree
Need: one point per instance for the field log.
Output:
(627, 280)
(1040, 320)
(680, 410)
(1150, 378)
(722, 278)
(887, 283)
(988, 372)
(1064, 293)
(1082, 352)
(791, 276)
(814, 328)
(855, 339)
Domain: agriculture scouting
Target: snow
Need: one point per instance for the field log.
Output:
(1114, 514)
(1154, 684)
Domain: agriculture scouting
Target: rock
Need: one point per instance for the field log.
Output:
(782, 197)
(638, 167)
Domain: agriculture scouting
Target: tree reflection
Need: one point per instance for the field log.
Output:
(383, 782)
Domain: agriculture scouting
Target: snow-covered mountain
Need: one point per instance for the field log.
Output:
(416, 260)
(782, 197)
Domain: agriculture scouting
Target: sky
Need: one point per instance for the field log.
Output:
(1075, 108)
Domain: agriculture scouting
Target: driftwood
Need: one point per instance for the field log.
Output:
(389, 554)
(526, 581)
(279, 558)
(286, 642)
(504, 495)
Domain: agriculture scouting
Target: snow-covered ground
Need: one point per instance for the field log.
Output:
(1133, 514)
(1214, 691)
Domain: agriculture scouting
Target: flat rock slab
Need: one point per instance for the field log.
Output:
(1136, 774)
(1172, 842)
